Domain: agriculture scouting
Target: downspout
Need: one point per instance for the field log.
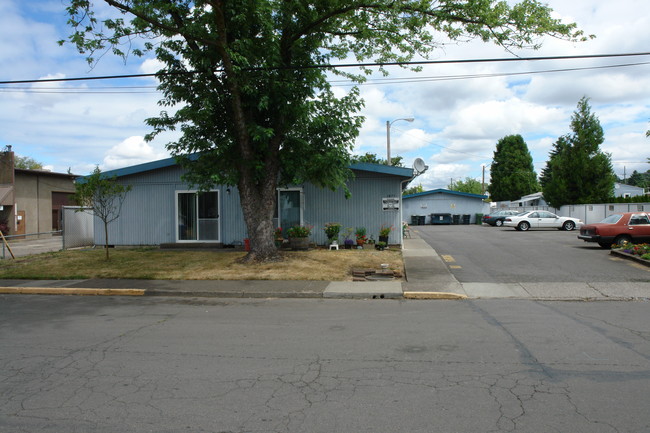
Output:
(401, 210)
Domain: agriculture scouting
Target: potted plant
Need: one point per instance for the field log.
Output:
(278, 237)
(347, 233)
(332, 232)
(299, 237)
(370, 243)
(380, 245)
(361, 236)
(384, 232)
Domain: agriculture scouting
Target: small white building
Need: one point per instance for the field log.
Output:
(625, 191)
(444, 206)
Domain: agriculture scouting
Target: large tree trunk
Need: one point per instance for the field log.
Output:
(258, 205)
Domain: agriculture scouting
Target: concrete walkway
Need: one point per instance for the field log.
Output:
(427, 277)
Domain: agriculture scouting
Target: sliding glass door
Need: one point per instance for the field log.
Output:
(197, 215)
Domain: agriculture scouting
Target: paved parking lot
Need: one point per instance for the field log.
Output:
(32, 246)
(503, 255)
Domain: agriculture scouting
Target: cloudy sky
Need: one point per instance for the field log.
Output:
(460, 110)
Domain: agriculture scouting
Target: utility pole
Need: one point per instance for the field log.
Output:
(483, 182)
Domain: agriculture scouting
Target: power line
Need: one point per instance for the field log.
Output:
(343, 65)
(377, 81)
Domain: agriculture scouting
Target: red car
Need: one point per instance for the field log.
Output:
(617, 229)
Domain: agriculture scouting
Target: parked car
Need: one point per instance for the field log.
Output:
(497, 218)
(541, 219)
(618, 229)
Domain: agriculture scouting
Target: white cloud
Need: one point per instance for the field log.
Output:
(133, 150)
(495, 119)
(151, 66)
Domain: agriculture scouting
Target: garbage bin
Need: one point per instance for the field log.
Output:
(440, 218)
(421, 219)
(415, 220)
(456, 219)
(466, 219)
(479, 219)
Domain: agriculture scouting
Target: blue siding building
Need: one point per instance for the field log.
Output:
(163, 209)
(443, 201)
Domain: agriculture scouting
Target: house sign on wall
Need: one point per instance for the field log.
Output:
(390, 203)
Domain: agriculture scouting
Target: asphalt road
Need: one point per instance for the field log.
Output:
(102, 364)
(504, 255)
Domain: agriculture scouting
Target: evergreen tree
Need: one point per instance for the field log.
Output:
(577, 170)
(512, 174)
(641, 180)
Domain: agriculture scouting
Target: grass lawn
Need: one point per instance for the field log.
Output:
(153, 263)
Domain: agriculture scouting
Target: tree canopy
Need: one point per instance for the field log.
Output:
(512, 174)
(27, 163)
(245, 81)
(469, 185)
(413, 190)
(372, 158)
(578, 171)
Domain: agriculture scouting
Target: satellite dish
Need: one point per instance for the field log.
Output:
(419, 166)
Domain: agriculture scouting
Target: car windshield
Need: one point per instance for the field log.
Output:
(523, 213)
(612, 219)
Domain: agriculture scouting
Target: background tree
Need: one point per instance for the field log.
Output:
(512, 174)
(372, 158)
(249, 78)
(413, 190)
(469, 185)
(104, 196)
(577, 171)
(641, 180)
(27, 163)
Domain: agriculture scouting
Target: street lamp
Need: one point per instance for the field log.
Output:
(388, 123)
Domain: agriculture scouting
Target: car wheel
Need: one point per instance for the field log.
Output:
(498, 223)
(605, 244)
(523, 226)
(569, 225)
(622, 239)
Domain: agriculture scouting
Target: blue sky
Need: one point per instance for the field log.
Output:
(457, 121)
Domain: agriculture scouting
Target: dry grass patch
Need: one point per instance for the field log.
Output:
(152, 263)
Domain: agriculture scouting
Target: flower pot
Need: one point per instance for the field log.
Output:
(299, 244)
(383, 239)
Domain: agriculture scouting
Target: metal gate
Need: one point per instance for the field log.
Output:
(77, 227)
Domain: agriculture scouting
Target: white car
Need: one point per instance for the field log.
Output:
(540, 219)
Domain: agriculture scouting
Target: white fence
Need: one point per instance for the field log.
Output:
(590, 213)
(77, 227)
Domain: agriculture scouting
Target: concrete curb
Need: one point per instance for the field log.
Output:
(70, 291)
(630, 257)
(433, 295)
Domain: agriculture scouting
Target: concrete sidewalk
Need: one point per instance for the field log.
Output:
(427, 277)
